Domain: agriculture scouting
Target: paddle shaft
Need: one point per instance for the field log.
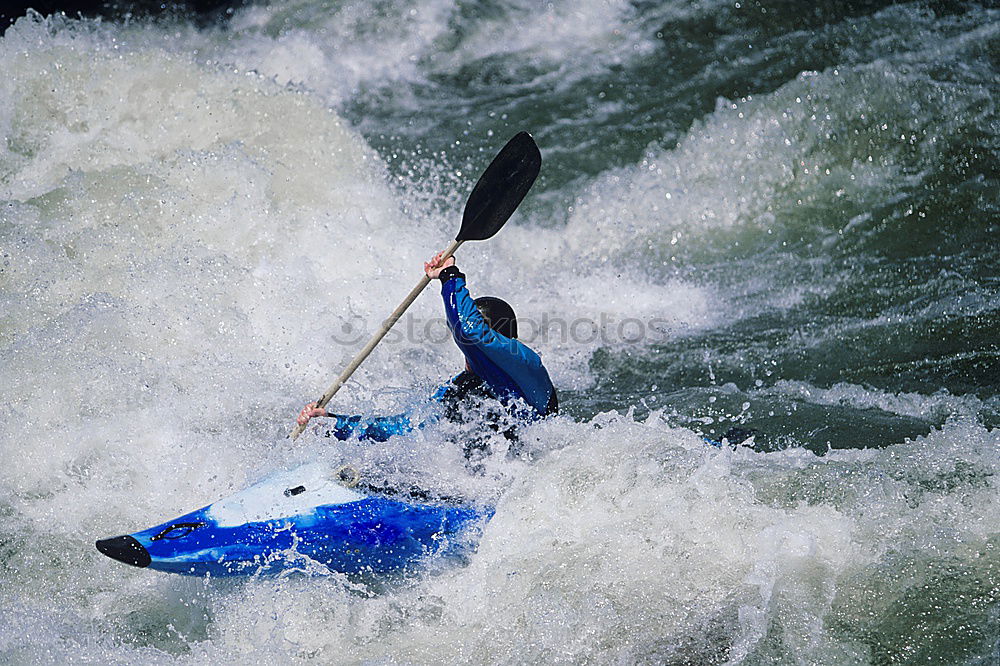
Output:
(375, 339)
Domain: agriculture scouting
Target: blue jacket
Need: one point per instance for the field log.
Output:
(502, 367)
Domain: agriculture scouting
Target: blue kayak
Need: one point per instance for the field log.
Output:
(313, 518)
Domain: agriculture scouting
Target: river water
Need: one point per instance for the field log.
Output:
(762, 213)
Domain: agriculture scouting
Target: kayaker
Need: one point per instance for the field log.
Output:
(504, 382)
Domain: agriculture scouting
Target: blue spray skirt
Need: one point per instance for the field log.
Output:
(303, 519)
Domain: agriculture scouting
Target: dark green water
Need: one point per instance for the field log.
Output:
(875, 201)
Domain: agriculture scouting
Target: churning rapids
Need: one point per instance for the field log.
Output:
(762, 213)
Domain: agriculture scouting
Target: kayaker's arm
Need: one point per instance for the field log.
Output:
(509, 367)
(373, 428)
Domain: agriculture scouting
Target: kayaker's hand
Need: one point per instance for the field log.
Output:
(433, 268)
(308, 412)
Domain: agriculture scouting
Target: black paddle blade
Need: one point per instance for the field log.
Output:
(501, 188)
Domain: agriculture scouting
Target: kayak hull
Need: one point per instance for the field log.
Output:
(303, 520)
